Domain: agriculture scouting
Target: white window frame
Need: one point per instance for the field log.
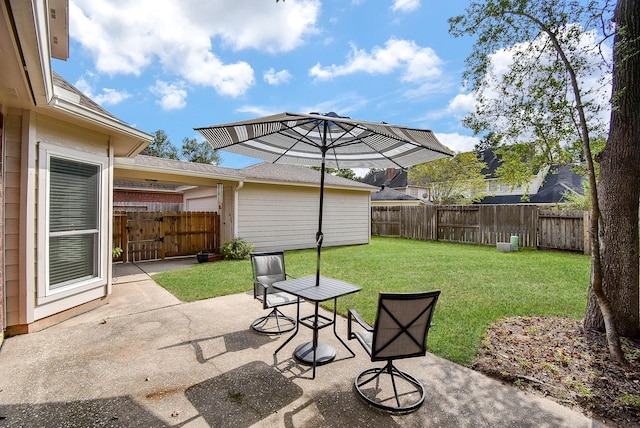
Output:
(44, 292)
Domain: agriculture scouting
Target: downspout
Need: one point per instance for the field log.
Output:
(235, 207)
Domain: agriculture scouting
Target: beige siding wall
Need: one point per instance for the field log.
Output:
(54, 132)
(24, 131)
(13, 147)
(285, 217)
(201, 199)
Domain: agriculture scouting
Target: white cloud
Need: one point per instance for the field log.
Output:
(111, 96)
(457, 142)
(276, 78)
(462, 103)
(125, 37)
(405, 5)
(418, 63)
(257, 111)
(344, 104)
(108, 96)
(173, 96)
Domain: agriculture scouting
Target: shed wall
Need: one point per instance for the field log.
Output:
(273, 217)
(201, 199)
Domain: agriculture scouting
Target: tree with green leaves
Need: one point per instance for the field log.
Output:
(199, 152)
(546, 95)
(347, 173)
(161, 147)
(455, 180)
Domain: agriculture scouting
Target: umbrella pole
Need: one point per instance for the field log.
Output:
(319, 235)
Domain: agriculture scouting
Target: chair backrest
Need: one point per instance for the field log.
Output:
(268, 268)
(402, 324)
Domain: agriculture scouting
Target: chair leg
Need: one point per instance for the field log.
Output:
(283, 323)
(407, 396)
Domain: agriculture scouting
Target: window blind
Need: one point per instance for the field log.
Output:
(73, 221)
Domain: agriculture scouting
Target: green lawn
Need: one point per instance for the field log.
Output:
(479, 284)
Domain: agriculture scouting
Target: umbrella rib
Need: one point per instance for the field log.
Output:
(303, 138)
(358, 140)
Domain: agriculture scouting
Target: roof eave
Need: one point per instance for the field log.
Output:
(129, 164)
(310, 184)
(127, 141)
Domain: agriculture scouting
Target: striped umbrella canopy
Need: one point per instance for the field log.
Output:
(326, 141)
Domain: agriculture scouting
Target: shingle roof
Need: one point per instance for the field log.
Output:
(388, 194)
(558, 181)
(399, 179)
(295, 174)
(152, 161)
(84, 100)
(264, 171)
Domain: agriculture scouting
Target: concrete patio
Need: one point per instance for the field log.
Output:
(145, 359)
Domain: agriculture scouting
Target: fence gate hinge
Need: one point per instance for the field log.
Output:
(161, 239)
(159, 219)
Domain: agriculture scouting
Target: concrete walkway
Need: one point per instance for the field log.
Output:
(147, 360)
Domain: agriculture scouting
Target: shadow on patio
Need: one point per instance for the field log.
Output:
(146, 360)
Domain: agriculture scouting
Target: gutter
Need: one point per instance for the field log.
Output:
(83, 113)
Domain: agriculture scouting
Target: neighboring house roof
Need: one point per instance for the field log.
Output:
(388, 194)
(394, 178)
(558, 181)
(492, 160)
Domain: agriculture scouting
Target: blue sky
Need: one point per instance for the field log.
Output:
(179, 64)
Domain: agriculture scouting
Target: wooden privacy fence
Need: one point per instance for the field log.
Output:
(535, 227)
(157, 235)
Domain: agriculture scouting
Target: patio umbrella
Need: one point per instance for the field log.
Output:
(326, 141)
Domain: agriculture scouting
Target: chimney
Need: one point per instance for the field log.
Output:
(391, 172)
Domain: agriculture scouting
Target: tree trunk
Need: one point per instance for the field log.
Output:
(619, 186)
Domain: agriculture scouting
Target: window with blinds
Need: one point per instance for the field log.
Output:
(74, 189)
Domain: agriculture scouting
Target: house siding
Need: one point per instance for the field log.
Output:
(24, 132)
(276, 217)
(82, 140)
(14, 299)
(2, 305)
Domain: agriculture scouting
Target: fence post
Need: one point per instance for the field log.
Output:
(586, 225)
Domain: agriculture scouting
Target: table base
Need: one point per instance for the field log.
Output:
(325, 353)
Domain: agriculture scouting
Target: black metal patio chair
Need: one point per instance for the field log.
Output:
(268, 267)
(400, 331)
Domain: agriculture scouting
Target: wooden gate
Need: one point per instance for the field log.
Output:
(157, 235)
(145, 236)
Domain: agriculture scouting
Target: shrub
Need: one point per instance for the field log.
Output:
(238, 249)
